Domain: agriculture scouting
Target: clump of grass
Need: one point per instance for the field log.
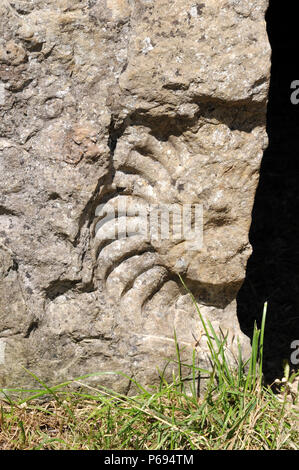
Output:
(237, 411)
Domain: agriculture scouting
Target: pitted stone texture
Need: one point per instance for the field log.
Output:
(108, 100)
(201, 51)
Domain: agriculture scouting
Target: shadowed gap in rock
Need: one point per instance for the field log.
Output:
(273, 269)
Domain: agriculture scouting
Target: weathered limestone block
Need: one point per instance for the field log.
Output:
(124, 103)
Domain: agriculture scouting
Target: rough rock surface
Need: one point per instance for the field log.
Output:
(151, 102)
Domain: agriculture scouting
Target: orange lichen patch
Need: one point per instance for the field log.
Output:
(81, 142)
(81, 133)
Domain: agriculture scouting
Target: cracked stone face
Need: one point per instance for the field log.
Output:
(117, 103)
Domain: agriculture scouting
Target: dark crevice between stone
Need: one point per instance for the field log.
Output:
(14, 267)
(32, 327)
(88, 214)
(5, 211)
(57, 288)
(115, 132)
(273, 269)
